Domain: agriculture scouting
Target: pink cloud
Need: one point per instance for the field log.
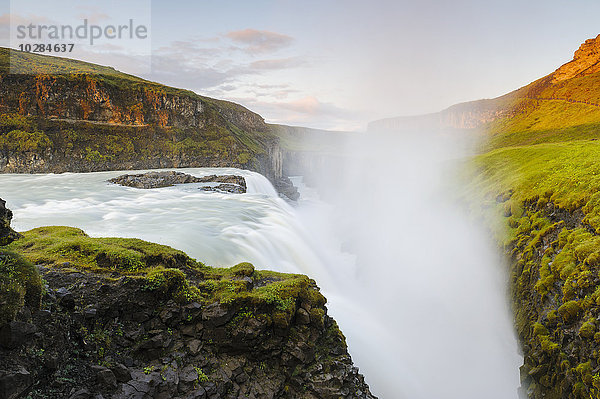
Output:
(259, 41)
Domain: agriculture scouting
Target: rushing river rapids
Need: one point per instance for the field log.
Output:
(421, 325)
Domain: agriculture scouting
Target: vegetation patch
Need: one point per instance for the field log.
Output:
(168, 272)
(20, 284)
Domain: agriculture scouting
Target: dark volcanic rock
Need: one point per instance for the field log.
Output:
(285, 186)
(7, 235)
(14, 383)
(15, 334)
(231, 183)
(183, 350)
(225, 188)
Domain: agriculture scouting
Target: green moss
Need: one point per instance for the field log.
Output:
(588, 329)
(170, 273)
(569, 311)
(67, 246)
(22, 141)
(539, 329)
(20, 284)
(171, 283)
(243, 269)
(162, 267)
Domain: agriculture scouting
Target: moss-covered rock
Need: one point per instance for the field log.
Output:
(124, 317)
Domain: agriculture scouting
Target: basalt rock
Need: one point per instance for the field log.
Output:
(7, 235)
(285, 187)
(230, 183)
(144, 343)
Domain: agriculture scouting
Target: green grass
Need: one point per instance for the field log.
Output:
(167, 272)
(540, 192)
(530, 121)
(566, 174)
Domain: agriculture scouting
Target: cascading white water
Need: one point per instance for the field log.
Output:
(415, 291)
(218, 229)
(424, 306)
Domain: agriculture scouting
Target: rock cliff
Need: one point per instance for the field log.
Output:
(67, 115)
(124, 319)
(469, 115)
(586, 61)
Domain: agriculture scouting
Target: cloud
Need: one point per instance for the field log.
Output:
(15, 19)
(208, 66)
(259, 41)
(275, 64)
(307, 111)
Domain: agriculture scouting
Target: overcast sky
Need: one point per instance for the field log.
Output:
(338, 64)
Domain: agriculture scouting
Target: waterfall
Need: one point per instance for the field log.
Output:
(417, 292)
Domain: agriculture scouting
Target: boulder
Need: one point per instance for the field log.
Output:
(285, 187)
(15, 334)
(230, 183)
(121, 373)
(14, 383)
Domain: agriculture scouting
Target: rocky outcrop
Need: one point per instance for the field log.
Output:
(7, 234)
(285, 187)
(586, 61)
(230, 183)
(556, 302)
(132, 319)
(225, 188)
(114, 338)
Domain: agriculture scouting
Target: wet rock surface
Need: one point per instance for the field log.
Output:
(284, 186)
(229, 183)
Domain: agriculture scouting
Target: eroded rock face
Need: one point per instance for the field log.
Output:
(285, 186)
(585, 61)
(7, 235)
(121, 341)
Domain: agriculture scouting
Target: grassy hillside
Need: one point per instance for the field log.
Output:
(35, 64)
(68, 115)
(543, 112)
(539, 175)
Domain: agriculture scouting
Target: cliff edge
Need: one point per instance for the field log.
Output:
(65, 115)
(123, 318)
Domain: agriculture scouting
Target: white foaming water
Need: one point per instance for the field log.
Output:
(218, 229)
(414, 293)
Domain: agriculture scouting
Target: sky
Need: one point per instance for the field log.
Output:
(331, 64)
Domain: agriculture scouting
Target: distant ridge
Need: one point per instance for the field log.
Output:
(563, 105)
